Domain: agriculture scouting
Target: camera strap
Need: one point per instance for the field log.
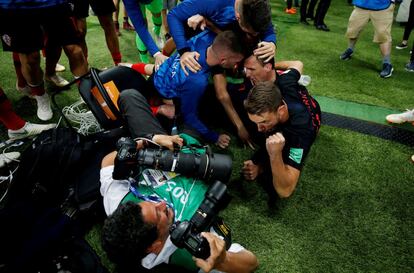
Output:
(222, 230)
(149, 198)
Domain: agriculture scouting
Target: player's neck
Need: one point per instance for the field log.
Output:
(211, 57)
(272, 76)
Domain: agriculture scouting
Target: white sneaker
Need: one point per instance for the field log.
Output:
(29, 129)
(412, 158)
(57, 80)
(59, 68)
(407, 116)
(26, 91)
(44, 112)
(8, 157)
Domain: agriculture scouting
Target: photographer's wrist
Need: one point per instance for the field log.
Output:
(156, 138)
(223, 264)
(161, 140)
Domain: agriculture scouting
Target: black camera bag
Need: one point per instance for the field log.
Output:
(58, 175)
(123, 78)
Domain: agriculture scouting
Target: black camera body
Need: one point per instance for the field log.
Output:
(187, 235)
(126, 159)
(207, 166)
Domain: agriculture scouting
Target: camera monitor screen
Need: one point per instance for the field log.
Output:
(193, 243)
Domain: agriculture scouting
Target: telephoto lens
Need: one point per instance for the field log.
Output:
(203, 166)
(215, 200)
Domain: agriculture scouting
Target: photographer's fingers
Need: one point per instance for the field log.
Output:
(217, 245)
(204, 265)
(170, 141)
(217, 253)
(167, 141)
(178, 140)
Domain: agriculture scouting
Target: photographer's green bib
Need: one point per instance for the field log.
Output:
(183, 193)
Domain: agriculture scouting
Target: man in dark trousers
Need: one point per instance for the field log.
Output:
(319, 17)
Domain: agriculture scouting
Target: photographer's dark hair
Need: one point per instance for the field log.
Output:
(263, 97)
(125, 236)
(256, 14)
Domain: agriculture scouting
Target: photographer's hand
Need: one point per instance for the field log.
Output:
(226, 261)
(168, 141)
(217, 253)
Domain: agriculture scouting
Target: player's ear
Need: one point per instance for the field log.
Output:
(268, 67)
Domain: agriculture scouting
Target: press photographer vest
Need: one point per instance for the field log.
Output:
(184, 193)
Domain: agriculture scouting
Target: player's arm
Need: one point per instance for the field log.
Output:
(285, 65)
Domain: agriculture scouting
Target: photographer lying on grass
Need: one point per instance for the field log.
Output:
(136, 232)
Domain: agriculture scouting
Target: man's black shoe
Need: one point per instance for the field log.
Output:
(386, 71)
(322, 27)
(326, 27)
(303, 21)
(347, 54)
